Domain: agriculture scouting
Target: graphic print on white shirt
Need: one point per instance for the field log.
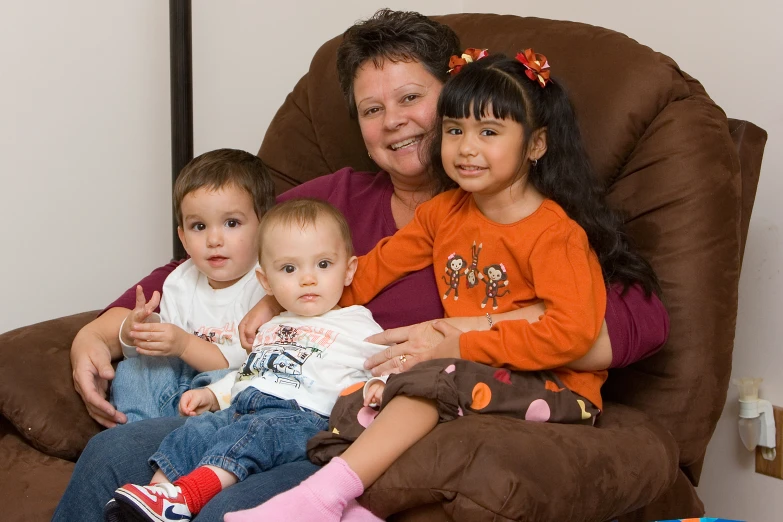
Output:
(281, 351)
(306, 359)
(217, 335)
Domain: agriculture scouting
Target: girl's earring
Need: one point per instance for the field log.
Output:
(369, 155)
(534, 162)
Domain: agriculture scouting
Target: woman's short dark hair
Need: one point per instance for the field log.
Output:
(395, 36)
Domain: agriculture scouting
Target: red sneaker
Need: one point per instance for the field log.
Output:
(162, 502)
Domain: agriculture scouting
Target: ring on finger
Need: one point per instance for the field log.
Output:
(403, 358)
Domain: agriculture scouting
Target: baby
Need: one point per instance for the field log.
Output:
(283, 393)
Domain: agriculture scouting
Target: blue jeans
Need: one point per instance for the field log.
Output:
(146, 387)
(256, 433)
(120, 455)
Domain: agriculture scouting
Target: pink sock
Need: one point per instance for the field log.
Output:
(323, 496)
(354, 512)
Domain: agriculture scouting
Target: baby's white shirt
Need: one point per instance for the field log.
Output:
(308, 359)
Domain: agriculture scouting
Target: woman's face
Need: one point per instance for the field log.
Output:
(396, 105)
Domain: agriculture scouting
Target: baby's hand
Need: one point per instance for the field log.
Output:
(196, 402)
(139, 314)
(374, 394)
(261, 313)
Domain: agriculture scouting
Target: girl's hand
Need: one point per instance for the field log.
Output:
(261, 313)
(449, 347)
(140, 313)
(196, 402)
(374, 394)
(410, 345)
(160, 339)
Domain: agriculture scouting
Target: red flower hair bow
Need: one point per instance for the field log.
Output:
(470, 55)
(537, 66)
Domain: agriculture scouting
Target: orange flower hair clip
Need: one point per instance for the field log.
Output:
(537, 66)
(470, 55)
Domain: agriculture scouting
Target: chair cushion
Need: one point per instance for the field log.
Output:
(497, 468)
(31, 482)
(36, 387)
(663, 149)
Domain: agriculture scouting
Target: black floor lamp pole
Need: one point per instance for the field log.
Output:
(181, 96)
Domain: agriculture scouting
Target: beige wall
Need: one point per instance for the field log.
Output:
(84, 152)
(734, 50)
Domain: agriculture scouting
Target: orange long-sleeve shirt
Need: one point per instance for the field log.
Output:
(483, 266)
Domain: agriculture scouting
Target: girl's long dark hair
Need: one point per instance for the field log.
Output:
(564, 174)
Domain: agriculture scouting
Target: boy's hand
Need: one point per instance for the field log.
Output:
(160, 339)
(374, 394)
(139, 314)
(196, 402)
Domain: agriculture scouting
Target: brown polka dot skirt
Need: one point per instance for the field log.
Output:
(458, 388)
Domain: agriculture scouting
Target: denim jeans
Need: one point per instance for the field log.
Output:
(120, 455)
(146, 387)
(256, 433)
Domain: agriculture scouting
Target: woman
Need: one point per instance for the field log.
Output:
(391, 69)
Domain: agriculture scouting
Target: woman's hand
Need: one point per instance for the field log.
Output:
(261, 313)
(196, 402)
(410, 345)
(92, 351)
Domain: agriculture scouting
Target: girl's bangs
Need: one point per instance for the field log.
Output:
(482, 96)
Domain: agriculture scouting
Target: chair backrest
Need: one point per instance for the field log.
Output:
(665, 153)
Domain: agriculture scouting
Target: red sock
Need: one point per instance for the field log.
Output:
(198, 487)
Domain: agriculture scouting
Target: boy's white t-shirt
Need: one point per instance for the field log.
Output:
(308, 359)
(214, 315)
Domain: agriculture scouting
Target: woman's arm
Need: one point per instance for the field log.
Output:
(598, 358)
(92, 351)
(97, 344)
(422, 342)
(637, 324)
(151, 283)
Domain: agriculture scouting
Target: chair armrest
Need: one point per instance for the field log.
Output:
(750, 141)
(36, 386)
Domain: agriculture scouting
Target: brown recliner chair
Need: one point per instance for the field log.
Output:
(686, 178)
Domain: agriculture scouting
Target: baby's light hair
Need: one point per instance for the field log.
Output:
(303, 212)
(222, 168)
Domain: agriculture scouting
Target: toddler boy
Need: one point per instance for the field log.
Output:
(219, 199)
